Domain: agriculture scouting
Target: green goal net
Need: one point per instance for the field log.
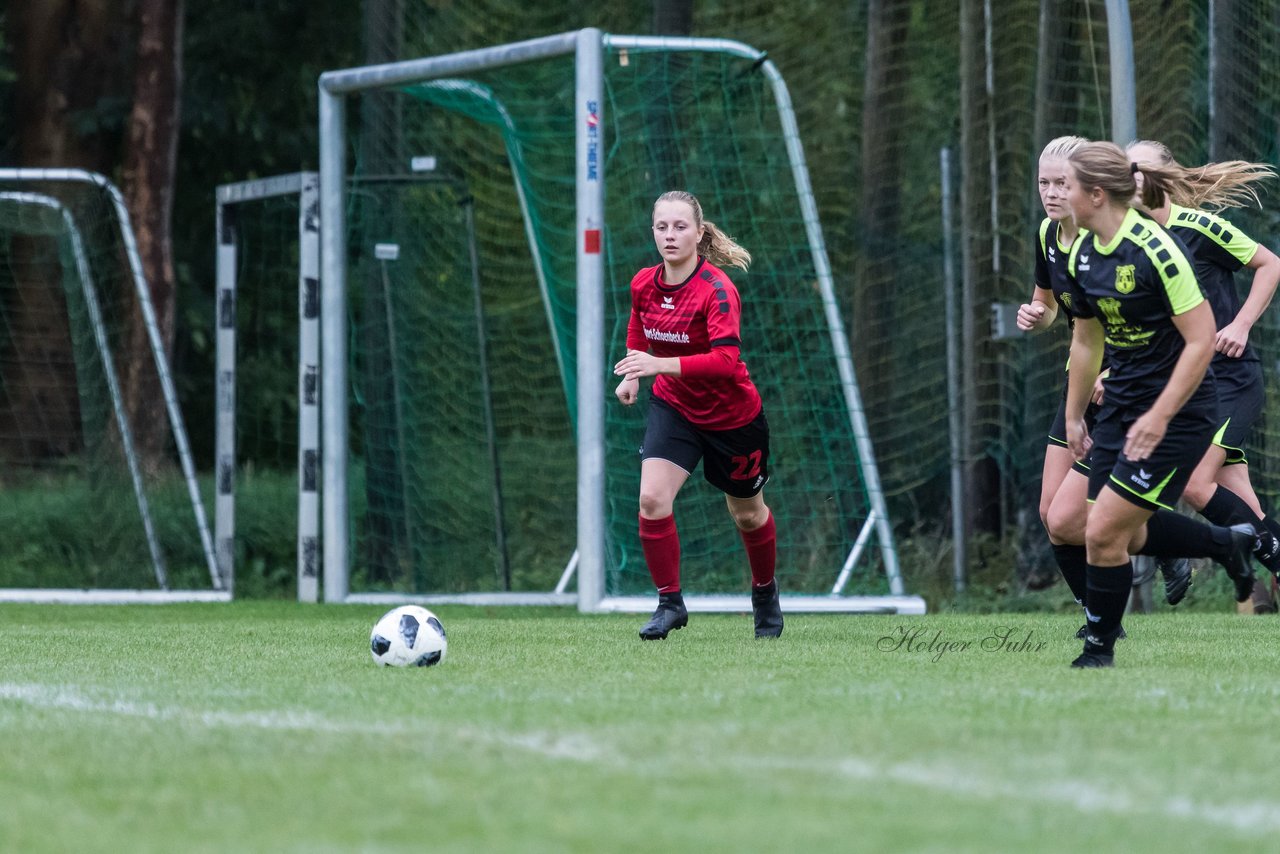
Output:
(462, 282)
(98, 499)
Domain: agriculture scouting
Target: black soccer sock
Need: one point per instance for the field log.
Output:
(1171, 534)
(1072, 562)
(1226, 508)
(1108, 595)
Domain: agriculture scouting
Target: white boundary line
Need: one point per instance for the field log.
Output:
(1251, 818)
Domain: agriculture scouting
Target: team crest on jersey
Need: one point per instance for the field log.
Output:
(1124, 279)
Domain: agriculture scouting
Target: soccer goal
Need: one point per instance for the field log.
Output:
(268, 357)
(98, 495)
(471, 449)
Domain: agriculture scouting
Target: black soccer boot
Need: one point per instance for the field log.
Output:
(1267, 551)
(1177, 577)
(1099, 651)
(767, 610)
(1239, 560)
(671, 615)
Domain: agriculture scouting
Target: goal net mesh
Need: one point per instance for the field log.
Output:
(462, 420)
(87, 457)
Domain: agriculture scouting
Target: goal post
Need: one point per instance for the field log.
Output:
(87, 448)
(288, 204)
(841, 524)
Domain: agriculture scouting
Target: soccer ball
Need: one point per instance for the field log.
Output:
(408, 636)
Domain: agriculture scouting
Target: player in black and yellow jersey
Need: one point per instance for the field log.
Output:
(1220, 487)
(1134, 295)
(1061, 474)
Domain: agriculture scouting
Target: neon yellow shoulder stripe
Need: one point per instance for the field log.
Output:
(1218, 229)
(1168, 259)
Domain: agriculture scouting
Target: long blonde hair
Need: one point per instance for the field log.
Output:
(716, 246)
(1106, 166)
(1229, 184)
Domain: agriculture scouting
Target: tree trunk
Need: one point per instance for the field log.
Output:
(982, 501)
(151, 148)
(389, 556)
(880, 214)
(1240, 81)
(66, 58)
(670, 18)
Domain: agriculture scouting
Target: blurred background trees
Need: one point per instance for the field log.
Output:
(171, 99)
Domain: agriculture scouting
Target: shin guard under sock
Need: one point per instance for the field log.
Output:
(762, 551)
(1170, 534)
(1073, 564)
(1108, 596)
(661, 546)
(1226, 508)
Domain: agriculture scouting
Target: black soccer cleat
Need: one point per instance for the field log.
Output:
(1267, 551)
(1083, 632)
(1099, 650)
(1239, 560)
(1177, 578)
(767, 610)
(671, 615)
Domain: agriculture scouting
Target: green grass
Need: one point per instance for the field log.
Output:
(265, 726)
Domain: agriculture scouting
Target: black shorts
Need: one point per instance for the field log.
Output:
(1241, 392)
(1157, 481)
(737, 460)
(1058, 429)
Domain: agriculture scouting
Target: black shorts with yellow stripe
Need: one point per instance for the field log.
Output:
(1058, 429)
(1158, 480)
(1241, 393)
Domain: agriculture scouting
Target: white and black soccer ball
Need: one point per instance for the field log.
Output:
(408, 636)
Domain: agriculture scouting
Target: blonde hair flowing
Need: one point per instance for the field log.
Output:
(716, 246)
(1213, 186)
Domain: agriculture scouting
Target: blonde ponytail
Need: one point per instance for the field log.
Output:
(1213, 186)
(721, 249)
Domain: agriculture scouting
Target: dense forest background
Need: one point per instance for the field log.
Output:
(171, 99)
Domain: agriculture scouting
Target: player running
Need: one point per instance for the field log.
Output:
(703, 407)
(1134, 294)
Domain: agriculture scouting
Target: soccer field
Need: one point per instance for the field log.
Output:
(266, 727)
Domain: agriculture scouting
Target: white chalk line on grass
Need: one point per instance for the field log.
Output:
(1253, 818)
(572, 747)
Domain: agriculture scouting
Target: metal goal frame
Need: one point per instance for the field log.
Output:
(587, 46)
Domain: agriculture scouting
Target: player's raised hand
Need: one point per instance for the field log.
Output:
(1030, 314)
(636, 364)
(627, 391)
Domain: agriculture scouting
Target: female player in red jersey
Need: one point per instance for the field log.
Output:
(684, 332)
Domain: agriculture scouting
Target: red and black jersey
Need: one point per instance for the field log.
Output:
(697, 321)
